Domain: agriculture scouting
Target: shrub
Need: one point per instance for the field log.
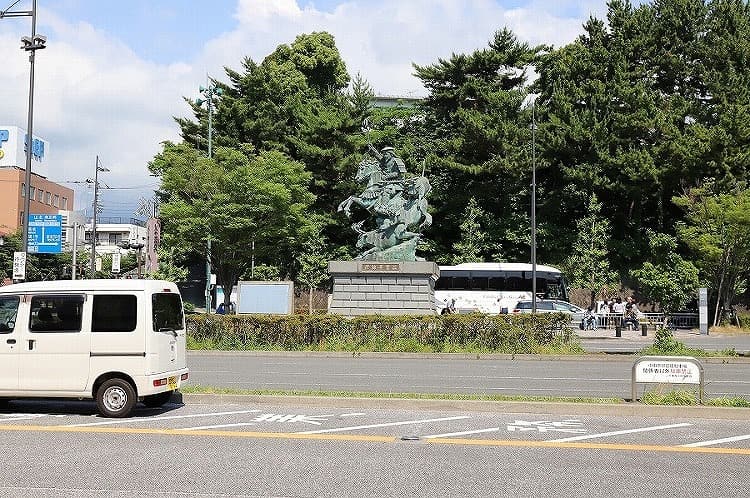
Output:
(429, 333)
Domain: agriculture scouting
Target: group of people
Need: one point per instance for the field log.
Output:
(627, 312)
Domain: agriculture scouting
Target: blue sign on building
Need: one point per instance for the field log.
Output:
(45, 233)
(37, 147)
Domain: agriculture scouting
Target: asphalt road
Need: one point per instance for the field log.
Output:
(56, 449)
(590, 376)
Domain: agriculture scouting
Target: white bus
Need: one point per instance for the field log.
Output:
(496, 287)
(115, 341)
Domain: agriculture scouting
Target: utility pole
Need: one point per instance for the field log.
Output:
(92, 270)
(75, 252)
(208, 93)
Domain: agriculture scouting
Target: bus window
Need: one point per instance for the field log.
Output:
(516, 282)
(496, 283)
(460, 283)
(443, 283)
(479, 283)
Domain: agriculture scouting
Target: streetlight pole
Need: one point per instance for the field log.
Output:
(533, 205)
(208, 93)
(92, 270)
(30, 44)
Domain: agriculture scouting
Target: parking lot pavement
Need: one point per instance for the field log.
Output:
(637, 433)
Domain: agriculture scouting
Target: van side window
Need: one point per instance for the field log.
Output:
(8, 311)
(114, 313)
(56, 313)
(167, 309)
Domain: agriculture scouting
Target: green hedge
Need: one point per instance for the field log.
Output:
(446, 333)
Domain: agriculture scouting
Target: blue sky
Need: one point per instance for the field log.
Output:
(115, 71)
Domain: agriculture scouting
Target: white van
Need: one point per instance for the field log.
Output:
(116, 341)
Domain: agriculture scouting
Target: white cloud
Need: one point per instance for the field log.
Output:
(94, 95)
(382, 39)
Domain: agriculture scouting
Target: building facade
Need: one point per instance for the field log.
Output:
(45, 196)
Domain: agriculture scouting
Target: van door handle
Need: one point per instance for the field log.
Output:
(31, 344)
(11, 341)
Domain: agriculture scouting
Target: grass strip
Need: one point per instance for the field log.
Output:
(198, 389)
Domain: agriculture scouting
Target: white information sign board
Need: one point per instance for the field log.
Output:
(19, 265)
(116, 262)
(667, 370)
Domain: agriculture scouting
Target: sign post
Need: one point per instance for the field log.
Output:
(703, 310)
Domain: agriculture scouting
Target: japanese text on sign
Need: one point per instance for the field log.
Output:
(676, 372)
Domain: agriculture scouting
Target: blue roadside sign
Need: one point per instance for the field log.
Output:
(45, 233)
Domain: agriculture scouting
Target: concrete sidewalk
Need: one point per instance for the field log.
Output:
(632, 341)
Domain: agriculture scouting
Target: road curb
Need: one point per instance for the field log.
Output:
(615, 410)
(615, 356)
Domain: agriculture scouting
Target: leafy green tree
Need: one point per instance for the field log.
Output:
(170, 267)
(295, 102)
(38, 266)
(643, 106)
(262, 272)
(588, 266)
(666, 278)
(478, 141)
(236, 197)
(313, 260)
(472, 244)
(717, 229)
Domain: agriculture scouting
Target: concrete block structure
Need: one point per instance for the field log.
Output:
(385, 288)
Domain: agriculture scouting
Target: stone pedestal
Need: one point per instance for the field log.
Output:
(385, 288)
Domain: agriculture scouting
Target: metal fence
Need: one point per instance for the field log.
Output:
(652, 320)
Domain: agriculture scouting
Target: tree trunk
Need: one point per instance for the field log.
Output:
(309, 301)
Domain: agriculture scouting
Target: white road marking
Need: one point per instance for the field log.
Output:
(617, 433)
(214, 426)
(152, 419)
(464, 433)
(390, 424)
(717, 441)
(351, 414)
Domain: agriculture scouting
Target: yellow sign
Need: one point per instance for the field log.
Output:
(2, 154)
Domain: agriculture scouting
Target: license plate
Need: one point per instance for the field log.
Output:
(172, 382)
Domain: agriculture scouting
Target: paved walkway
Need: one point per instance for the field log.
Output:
(604, 340)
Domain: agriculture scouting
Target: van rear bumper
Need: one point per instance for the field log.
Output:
(146, 387)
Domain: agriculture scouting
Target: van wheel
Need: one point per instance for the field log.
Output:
(115, 398)
(157, 400)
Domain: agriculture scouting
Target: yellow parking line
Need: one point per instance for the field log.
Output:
(373, 439)
(183, 432)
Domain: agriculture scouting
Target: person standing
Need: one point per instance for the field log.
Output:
(618, 310)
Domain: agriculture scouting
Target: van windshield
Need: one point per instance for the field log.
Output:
(167, 310)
